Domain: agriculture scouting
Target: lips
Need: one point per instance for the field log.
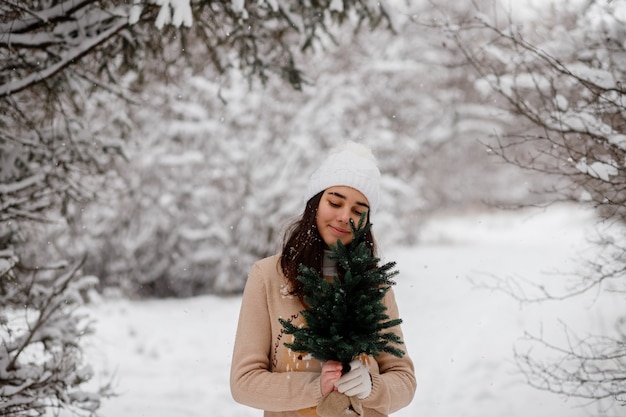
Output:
(338, 231)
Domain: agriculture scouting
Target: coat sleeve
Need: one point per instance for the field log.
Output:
(252, 381)
(393, 378)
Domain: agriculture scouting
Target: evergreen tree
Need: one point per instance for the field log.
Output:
(345, 317)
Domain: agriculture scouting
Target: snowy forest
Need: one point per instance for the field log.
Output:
(155, 149)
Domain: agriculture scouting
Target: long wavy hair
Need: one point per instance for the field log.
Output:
(303, 244)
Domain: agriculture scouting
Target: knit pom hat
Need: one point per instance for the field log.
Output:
(349, 164)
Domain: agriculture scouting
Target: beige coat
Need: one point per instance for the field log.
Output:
(268, 376)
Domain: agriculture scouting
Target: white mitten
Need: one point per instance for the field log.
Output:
(357, 382)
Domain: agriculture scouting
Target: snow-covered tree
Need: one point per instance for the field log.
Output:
(69, 70)
(219, 168)
(560, 76)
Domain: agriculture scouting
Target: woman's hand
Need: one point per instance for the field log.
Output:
(331, 372)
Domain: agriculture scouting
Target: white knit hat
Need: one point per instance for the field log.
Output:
(349, 164)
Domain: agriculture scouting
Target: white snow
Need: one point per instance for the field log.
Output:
(135, 14)
(597, 169)
(175, 12)
(172, 357)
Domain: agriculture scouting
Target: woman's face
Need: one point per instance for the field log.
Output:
(337, 206)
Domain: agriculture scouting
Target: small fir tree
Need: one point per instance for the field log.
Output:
(346, 317)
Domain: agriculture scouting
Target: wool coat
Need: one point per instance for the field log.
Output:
(267, 375)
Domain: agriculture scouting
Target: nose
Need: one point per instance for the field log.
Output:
(343, 216)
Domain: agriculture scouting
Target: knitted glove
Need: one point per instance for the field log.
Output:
(357, 382)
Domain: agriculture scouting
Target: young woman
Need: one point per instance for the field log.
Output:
(267, 375)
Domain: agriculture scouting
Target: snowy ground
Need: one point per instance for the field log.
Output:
(172, 357)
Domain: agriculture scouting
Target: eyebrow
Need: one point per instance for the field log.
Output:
(359, 203)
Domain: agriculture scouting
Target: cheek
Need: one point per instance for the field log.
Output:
(321, 215)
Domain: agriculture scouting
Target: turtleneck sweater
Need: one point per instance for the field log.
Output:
(329, 266)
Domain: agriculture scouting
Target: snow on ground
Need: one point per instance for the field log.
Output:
(172, 357)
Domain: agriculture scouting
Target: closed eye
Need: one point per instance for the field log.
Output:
(339, 204)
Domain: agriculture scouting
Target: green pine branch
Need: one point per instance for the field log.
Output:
(346, 317)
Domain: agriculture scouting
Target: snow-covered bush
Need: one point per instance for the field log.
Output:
(41, 327)
(206, 191)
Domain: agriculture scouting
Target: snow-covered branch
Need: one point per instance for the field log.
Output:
(30, 18)
(69, 58)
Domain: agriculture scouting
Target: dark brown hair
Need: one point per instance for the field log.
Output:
(303, 244)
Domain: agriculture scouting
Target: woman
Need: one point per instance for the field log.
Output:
(267, 375)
